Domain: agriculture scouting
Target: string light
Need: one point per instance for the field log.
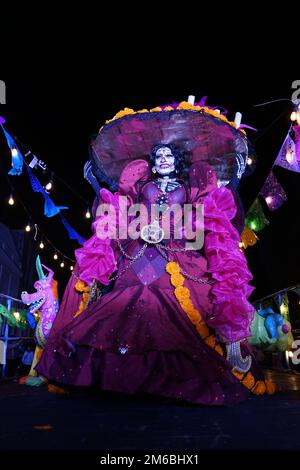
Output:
(283, 309)
(88, 214)
(49, 186)
(71, 268)
(294, 116)
(249, 161)
(62, 264)
(253, 226)
(17, 315)
(29, 227)
(269, 200)
(290, 156)
(11, 200)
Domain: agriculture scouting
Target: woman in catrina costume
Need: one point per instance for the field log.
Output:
(149, 313)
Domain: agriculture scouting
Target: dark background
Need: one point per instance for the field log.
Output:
(56, 116)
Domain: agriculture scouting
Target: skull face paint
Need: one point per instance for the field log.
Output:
(164, 161)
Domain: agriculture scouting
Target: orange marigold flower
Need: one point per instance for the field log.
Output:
(210, 341)
(249, 381)
(173, 268)
(80, 285)
(260, 388)
(271, 387)
(186, 306)
(194, 317)
(223, 118)
(194, 312)
(182, 293)
(85, 297)
(185, 105)
(154, 110)
(81, 308)
(219, 350)
(177, 279)
(168, 108)
(238, 375)
(124, 112)
(143, 111)
(203, 330)
(213, 112)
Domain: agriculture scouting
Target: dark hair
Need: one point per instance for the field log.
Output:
(179, 157)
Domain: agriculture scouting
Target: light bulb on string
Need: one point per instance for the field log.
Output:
(283, 309)
(27, 228)
(62, 264)
(253, 226)
(42, 246)
(11, 200)
(17, 315)
(269, 200)
(71, 268)
(49, 186)
(88, 214)
(249, 161)
(294, 116)
(55, 256)
(290, 156)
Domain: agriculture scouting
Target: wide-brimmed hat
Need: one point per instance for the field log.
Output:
(201, 133)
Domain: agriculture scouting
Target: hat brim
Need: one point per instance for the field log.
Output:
(199, 135)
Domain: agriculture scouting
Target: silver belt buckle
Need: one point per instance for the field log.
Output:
(152, 233)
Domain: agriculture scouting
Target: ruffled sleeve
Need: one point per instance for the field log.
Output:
(232, 313)
(96, 258)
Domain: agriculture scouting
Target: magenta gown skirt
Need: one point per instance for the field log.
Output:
(137, 338)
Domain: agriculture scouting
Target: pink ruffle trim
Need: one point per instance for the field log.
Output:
(232, 313)
(96, 259)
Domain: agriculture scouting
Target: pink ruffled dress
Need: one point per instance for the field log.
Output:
(137, 338)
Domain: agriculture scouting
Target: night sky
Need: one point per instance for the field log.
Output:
(55, 119)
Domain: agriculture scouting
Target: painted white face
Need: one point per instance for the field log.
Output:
(164, 161)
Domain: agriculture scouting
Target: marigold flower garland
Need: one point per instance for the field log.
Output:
(182, 294)
(81, 286)
(183, 105)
